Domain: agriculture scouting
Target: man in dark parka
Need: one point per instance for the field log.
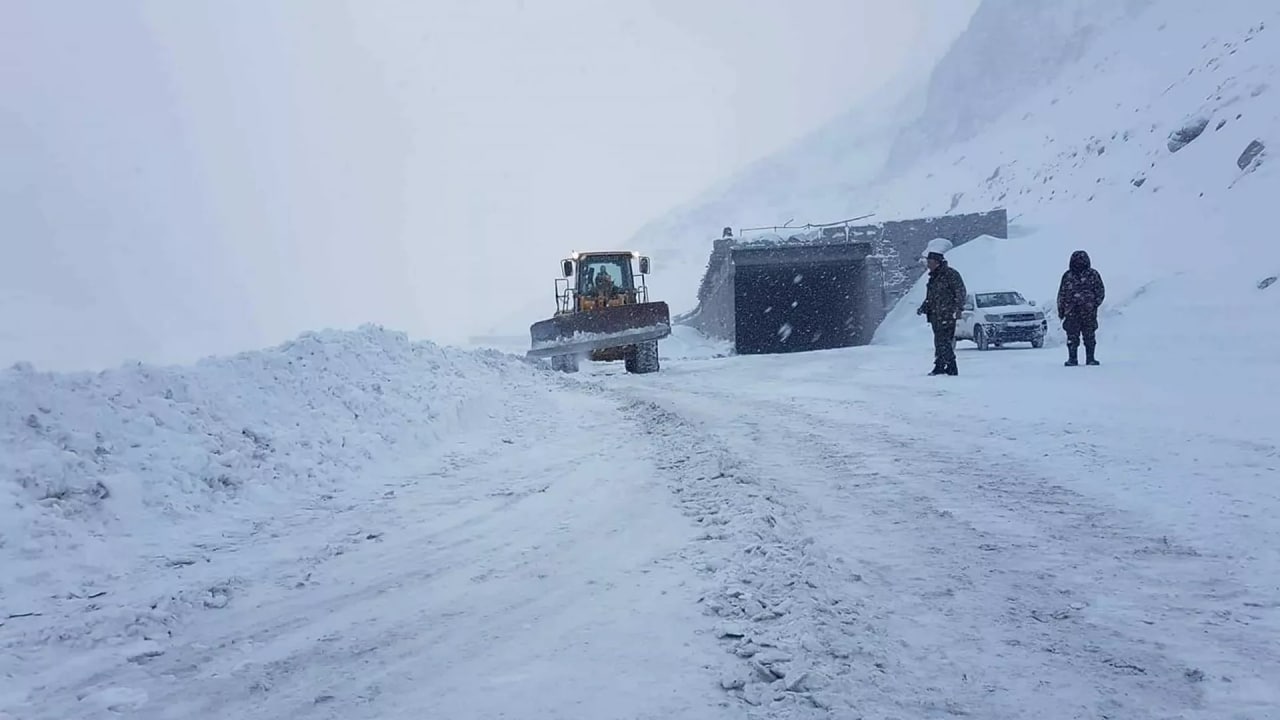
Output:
(942, 306)
(1079, 295)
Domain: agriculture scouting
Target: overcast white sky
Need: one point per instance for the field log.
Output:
(186, 178)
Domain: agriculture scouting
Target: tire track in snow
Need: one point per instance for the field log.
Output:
(986, 624)
(988, 587)
(1144, 611)
(775, 592)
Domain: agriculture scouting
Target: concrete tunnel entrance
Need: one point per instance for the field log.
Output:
(800, 299)
(849, 278)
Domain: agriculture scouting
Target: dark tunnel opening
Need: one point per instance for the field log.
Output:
(798, 306)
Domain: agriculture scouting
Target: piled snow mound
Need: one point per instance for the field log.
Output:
(113, 453)
(512, 344)
(686, 343)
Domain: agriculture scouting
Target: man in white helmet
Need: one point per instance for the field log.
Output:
(942, 306)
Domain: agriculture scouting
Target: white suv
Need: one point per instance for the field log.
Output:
(996, 318)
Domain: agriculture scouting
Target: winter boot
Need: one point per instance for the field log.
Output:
(1089, 359)
(1072, 357)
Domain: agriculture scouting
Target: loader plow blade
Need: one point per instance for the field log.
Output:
(600, 329)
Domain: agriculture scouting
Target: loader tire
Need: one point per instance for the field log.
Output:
(643, 358)
(565, 363)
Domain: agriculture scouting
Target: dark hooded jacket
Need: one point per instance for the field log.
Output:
(944, 295)
(1081, 290)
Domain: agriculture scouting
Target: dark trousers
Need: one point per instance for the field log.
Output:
(1081, 324)
(944, 346)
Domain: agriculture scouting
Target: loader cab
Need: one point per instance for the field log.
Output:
(606, 279)
(600, 273)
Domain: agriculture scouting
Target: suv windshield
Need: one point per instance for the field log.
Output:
(593, 271)
(999, 299)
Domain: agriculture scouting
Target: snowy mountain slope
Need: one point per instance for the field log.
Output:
(813, 181)
(1011, 48)
(1178, 230)
(829, 175)
(1080, 154)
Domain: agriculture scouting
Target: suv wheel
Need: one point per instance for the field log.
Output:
(980, 337)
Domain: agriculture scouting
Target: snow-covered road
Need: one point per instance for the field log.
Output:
(1025, 540)
(809, 536)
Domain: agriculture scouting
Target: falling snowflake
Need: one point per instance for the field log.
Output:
(784, 332)
(797, 279)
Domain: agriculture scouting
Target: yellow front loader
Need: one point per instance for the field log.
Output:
(603, 314)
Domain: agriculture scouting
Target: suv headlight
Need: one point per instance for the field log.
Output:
(993, 318)
(1039, 316)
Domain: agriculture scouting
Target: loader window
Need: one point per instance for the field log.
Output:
(591, 272)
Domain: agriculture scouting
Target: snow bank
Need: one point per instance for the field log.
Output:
(88, 461)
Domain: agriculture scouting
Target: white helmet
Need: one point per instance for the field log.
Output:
(938, 245)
